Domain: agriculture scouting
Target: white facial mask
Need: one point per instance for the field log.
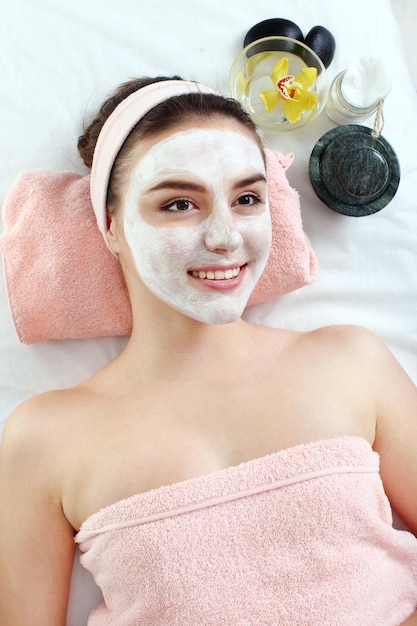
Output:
(167, 258)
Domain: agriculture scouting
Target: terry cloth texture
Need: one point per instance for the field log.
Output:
(300, 537)
(62, 281)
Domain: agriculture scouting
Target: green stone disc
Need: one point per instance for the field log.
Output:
(353, 172)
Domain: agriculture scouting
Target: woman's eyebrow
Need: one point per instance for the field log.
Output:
(178, 184)
(250, 180)
(184, 185)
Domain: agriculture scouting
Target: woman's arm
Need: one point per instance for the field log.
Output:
(396, 441)
(392, 397)
(396, 432)
(36, 541)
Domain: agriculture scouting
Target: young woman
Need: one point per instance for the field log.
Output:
(216, 472)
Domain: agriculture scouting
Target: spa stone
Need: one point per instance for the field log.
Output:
(322, 42)
(353, 172)
(274, 27)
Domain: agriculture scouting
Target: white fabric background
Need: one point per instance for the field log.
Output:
(58, 61)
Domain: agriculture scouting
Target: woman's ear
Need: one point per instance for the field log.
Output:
(113, 233)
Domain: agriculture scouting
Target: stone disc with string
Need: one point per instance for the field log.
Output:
(354, 171)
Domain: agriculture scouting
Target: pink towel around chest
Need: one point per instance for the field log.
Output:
(300, 537)
(62, 281)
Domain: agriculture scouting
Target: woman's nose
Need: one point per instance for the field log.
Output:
(221, 233)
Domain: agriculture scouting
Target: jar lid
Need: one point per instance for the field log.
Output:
(353, 172)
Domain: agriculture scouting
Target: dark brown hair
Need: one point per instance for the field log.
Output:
(167, 114)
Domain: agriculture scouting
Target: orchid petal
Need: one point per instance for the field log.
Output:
(280, 70)
(254, 61)
(308, 99)
(242, 84)
(307, 77)
(293, 109)
(270, 98)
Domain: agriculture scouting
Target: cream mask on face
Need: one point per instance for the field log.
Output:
(203, 261)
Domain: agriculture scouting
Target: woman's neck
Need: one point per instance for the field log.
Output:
(164, 340)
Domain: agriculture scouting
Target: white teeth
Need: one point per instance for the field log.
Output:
(218, 274)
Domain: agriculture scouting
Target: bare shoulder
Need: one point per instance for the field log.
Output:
(49, 412)
(348, 359)
(41, 428)
(365, 356)
(36, 415)
(349, 343)
(343, 345)
(345, 342)
(369, 353)
(347, 336)
(30, 433)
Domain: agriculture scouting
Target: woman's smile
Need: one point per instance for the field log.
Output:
(229, 278)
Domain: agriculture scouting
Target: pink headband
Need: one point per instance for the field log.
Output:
(116, 130)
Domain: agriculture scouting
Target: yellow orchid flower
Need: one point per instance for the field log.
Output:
(291, 92)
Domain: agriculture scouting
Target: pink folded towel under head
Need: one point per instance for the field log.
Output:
(62, 281)
(300, 537)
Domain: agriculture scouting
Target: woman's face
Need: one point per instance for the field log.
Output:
(196, 219)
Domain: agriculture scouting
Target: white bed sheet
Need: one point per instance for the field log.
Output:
(60, 59)
(405, 12)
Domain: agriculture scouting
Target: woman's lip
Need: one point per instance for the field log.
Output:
(214, 268)
(219, 283)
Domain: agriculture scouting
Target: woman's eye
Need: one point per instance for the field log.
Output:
(249, 199)
(179, 205)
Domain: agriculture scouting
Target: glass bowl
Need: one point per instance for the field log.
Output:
(280, 82)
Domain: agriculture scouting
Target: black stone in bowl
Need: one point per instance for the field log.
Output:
(319, 39)
(274, 27)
